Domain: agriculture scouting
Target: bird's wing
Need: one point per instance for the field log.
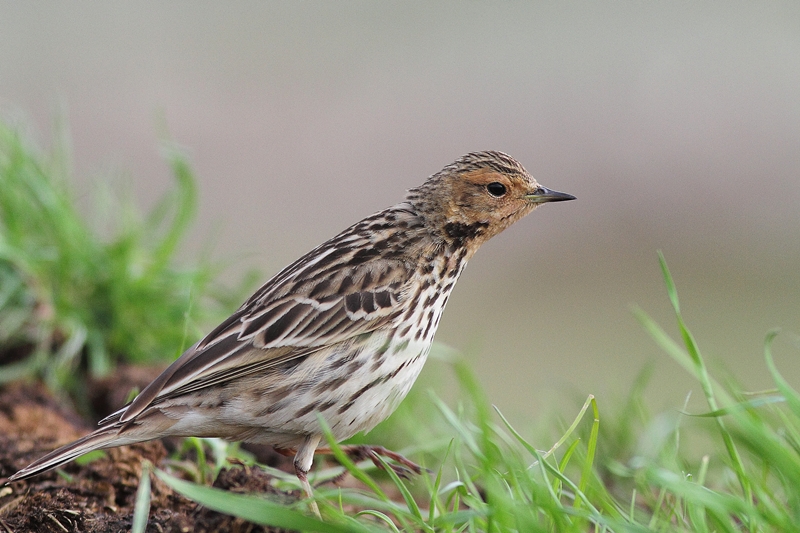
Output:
(309, 305)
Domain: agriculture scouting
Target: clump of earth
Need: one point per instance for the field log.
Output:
(99, 496)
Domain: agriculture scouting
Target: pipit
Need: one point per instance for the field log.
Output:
(341, 333)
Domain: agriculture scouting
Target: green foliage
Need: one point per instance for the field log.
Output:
(74, 303)
(624, 471)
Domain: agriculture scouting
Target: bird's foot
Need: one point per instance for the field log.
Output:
(402, 467)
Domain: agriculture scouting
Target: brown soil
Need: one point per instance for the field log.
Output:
(100, 495)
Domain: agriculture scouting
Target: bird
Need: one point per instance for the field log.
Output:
(341, 333)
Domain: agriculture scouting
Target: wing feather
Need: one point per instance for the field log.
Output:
(331, 297)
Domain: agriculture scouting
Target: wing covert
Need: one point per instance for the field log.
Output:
(286, 321)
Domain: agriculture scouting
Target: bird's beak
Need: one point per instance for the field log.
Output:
(542, 194)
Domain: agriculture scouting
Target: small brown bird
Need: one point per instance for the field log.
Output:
(342, 332)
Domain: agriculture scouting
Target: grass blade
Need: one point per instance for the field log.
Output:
(141, 510)
(253, 508)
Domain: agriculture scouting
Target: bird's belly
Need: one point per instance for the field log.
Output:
(380, 392)
(353, 386)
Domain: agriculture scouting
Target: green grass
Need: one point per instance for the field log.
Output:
(77, 299)
(618, 470)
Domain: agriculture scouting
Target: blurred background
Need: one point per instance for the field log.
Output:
(677, 126)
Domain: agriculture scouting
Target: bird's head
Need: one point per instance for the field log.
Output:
(478, 196)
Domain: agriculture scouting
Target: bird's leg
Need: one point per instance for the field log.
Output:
(404, 467)
(303, 460)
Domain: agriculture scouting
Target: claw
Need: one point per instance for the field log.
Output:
(401, 466)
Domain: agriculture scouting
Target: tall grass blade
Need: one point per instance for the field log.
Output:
(141, 509)
(253, 508)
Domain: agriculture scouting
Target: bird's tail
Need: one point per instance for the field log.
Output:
(105, 437)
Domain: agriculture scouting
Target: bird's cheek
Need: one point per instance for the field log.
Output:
(509, 210)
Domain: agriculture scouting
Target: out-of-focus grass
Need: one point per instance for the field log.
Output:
(76, 299)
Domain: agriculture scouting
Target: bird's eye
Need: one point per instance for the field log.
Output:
(496, 189)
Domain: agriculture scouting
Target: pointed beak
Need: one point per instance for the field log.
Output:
(542, 194)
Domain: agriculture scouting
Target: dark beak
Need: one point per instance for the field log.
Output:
(543, 194)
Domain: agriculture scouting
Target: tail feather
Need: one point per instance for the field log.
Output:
(105, 437)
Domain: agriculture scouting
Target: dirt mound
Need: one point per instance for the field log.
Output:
(98, 496)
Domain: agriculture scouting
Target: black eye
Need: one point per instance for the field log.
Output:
(496, 189)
